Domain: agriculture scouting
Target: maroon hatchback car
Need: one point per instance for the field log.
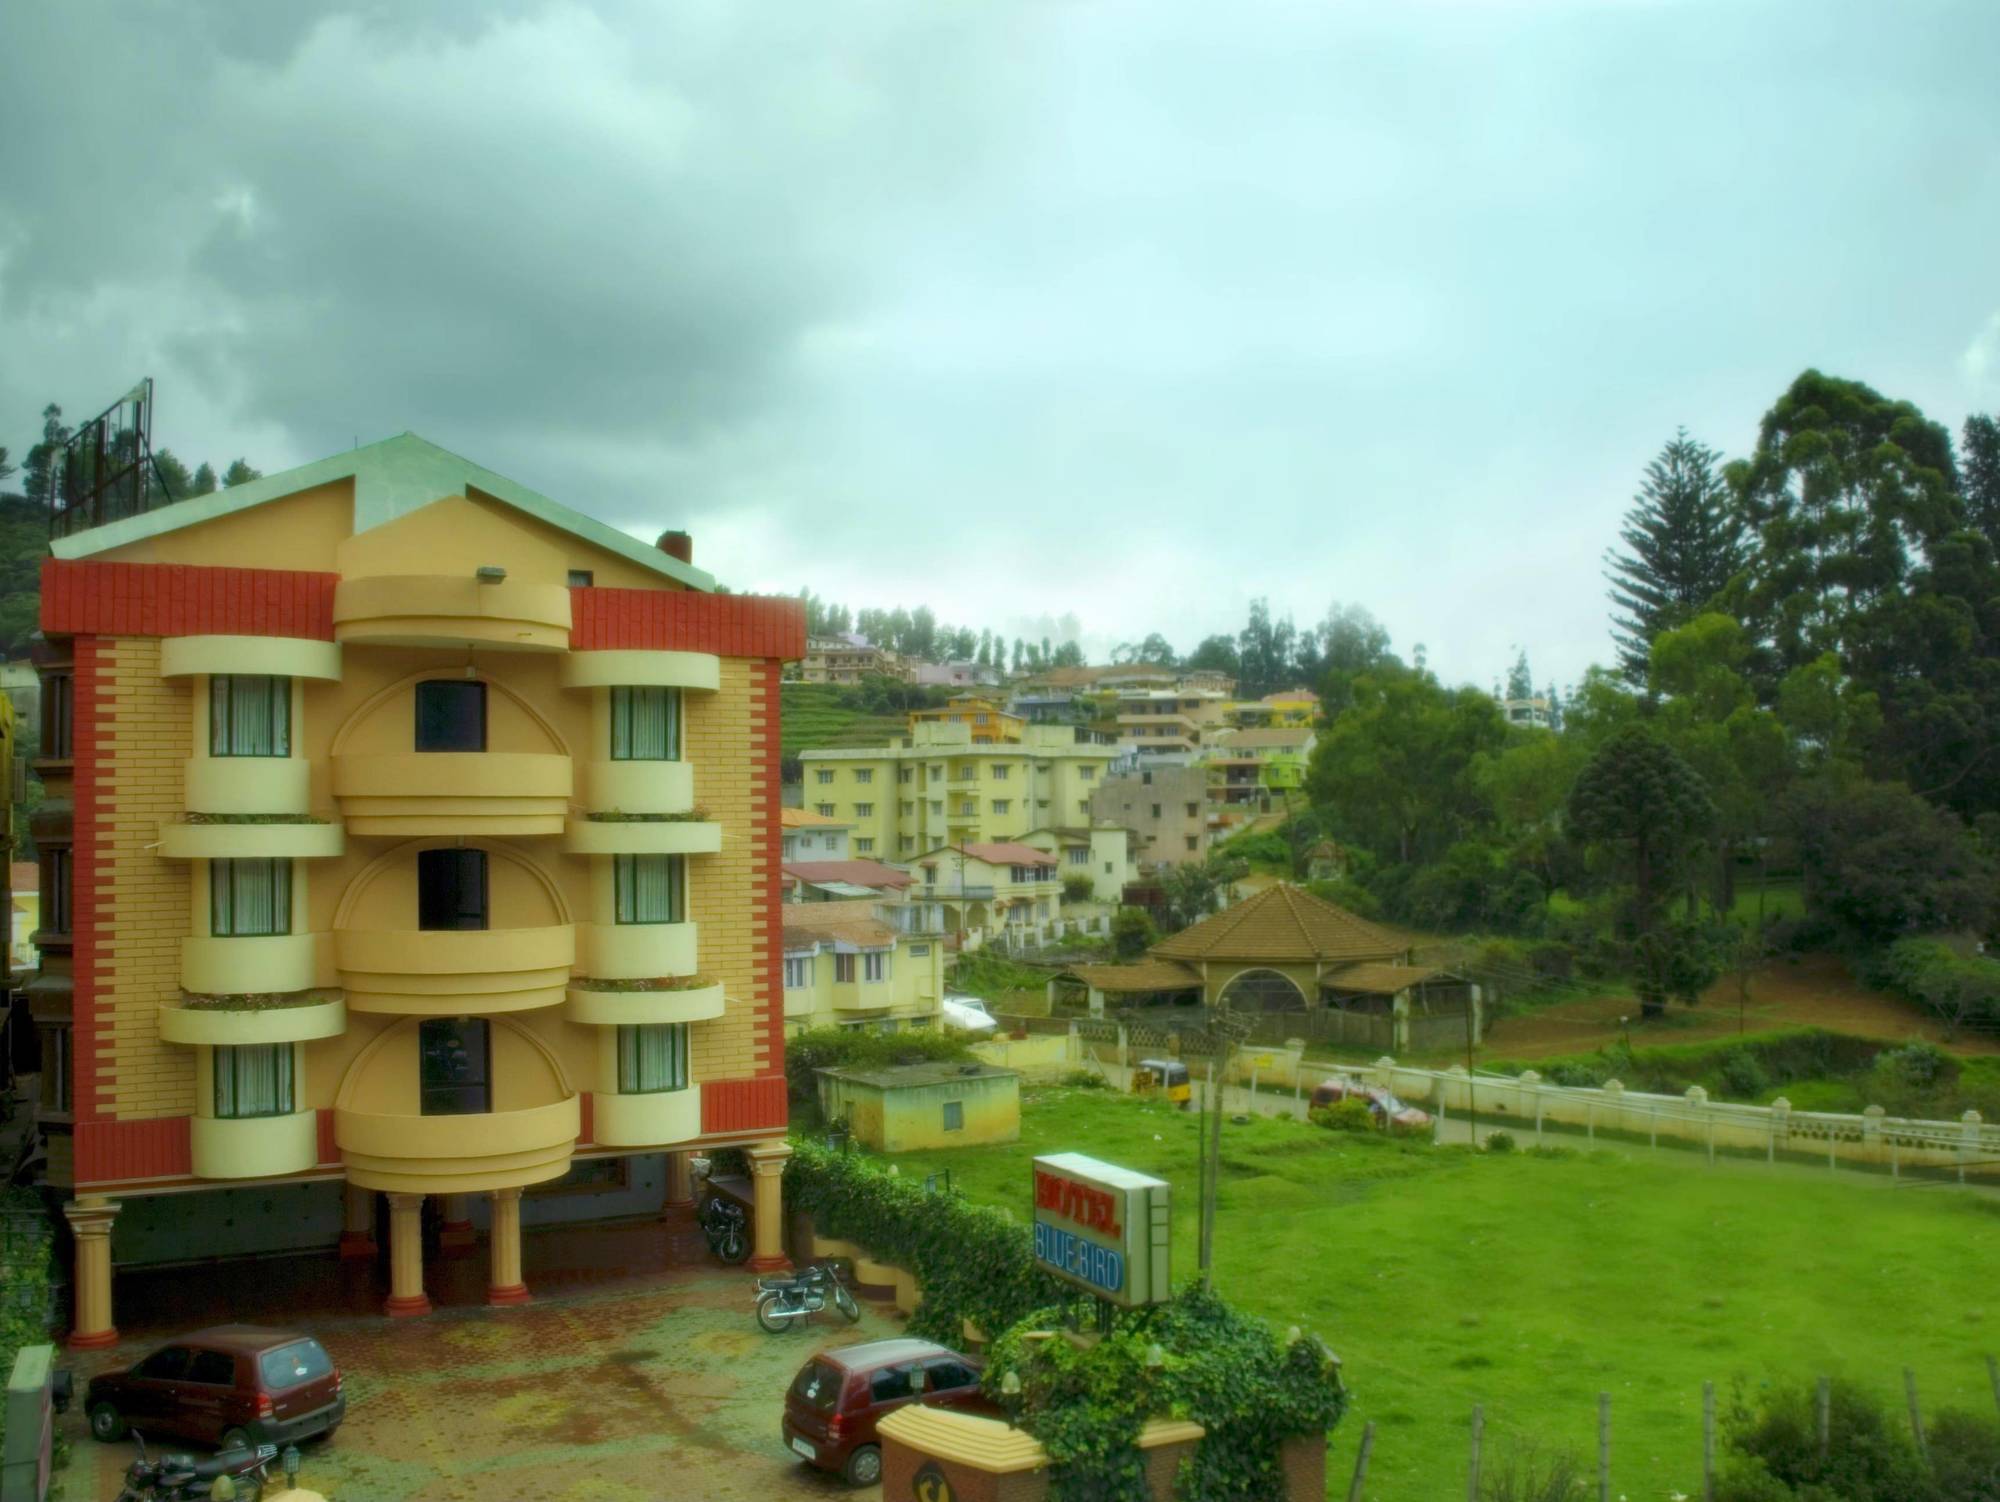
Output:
(839, 1396)
(231, 1385)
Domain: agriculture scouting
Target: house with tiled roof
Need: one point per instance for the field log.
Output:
(1302, 967)
(810, 835)
(846, 965)
(985, 890)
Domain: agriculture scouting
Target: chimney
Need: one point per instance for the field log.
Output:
(677, 545)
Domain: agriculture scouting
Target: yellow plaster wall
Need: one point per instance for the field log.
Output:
(298, 531)
(150, 898)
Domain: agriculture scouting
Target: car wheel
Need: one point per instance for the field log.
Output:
(106, 1424)
(864, 1466)
(237, 1439)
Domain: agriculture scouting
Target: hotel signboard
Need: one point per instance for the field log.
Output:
(1104, 1228)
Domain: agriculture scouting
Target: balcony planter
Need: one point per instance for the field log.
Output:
(251, 837)
(607, 835)
(235, 1022)
(599, 1003)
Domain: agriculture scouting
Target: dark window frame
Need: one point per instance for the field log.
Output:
(443, 890)
(58, 716)
(441, 727)
(439, 1096)
(58, 883)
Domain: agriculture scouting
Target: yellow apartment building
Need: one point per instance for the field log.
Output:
(1157, 721)
(1107, 853)
(938, 787)
(846, 966)
(989, 722)
(429, 864)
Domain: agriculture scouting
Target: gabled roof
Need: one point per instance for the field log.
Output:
(852, 923)
(1141, 975)
(1008, 853)
(856, 873)
(1283, 924)
(1374, 979)
(392, 479)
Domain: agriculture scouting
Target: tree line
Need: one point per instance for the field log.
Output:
(1807, 679)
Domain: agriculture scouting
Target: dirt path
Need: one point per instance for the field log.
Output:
(1806, 991)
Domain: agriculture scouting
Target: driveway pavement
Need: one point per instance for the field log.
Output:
(614, 1389)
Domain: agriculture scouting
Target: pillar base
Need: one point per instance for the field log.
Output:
(355, 1244)
(96, 1340)
(778, 1264)
(686, 1204)
(511, 1293)
(406, 1305)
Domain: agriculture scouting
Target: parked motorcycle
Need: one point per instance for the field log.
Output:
(182, 1478)
(785, 1303)
(726, 1227)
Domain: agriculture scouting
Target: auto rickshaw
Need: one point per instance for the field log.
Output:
(1168, 1077)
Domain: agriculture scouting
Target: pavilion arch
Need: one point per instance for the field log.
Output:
(1262, 990)
(380, 701)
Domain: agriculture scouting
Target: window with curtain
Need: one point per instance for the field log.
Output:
(249, 897)
(843, 969)
(645, 724)
(451, 889)
(253, 1080)
(650, 888)
(58, 715)
(451, 715)
(652, 1057)
(798, 972)
(455, 1066)
(249, 716)
(875, 966)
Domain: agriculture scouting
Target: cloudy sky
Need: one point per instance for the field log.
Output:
(1130, 311)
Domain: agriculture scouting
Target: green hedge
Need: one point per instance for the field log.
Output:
(25, 1242)
(1961, 989)
(1193, 1358)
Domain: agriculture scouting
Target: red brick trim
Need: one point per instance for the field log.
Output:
(586, 1114)
(743, 1105)
(329, 1146)
(90, 907)
(109, 1151)
(180, 599)
(662, 620)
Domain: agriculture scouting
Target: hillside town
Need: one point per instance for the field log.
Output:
(1040, 754)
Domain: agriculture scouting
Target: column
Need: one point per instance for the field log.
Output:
(406, 1258)
(90, 1224)
(503, 1284)
(767, 1177)
(455, 1234)
(357, 1229)
(680, 1181)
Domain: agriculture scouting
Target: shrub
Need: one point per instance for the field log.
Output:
(1133, 932)
(1078, 887)
(1499, 1142)
(1526, 1476)
(1265, 848)
(1774, 1450)
(1349, 1115)
(1741, 1075)
(26, 1237)
(828, 1047)
(1960, 989)
(1553, 959)
(1917, 1066)
(1085, 1079)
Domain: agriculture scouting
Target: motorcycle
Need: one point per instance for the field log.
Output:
(725, 1225)
(182, 1478)
(785, 1302)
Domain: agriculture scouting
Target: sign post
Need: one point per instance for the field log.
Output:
(1103, 1228)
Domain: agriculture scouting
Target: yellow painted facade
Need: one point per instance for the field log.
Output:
(941, 787)
(988, 723)
(915, 1107)
(830, 980)
(459, 589)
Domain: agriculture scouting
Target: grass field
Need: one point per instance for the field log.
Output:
(815, 719)
(1530, 1283)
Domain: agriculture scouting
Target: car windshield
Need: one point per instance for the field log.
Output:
(818, 1385)
(288, 1366)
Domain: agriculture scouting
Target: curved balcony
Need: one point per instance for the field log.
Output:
(657, 1119)
(263, 656)
(451, 610)
(256, 1147)
(641, 837)
(248, 785)
(457, 1154)
(452, 973)
(635, 951)
(299, 840)
(453, 792)
(252, 965)
(638, 787)
(238, 1027)
(621, 668)
(640, 1008)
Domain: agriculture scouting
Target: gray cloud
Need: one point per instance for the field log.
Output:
(1131, 311)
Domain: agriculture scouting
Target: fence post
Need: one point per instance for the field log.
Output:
(1708, 1442)
(1968, 1140)
(1531, 1085)
(1361, 1462)
(1604, 1447)
(1124, 1048)
(1472, 1472)
(1916, 1417)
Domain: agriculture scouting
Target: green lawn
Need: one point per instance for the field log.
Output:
(1531, 1283)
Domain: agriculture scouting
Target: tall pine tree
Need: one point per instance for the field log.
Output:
(1979, 477)
(1683, 544)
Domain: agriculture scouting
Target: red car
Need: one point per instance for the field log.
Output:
(1390, 1112)
(231, 1385)
(839, 1397)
